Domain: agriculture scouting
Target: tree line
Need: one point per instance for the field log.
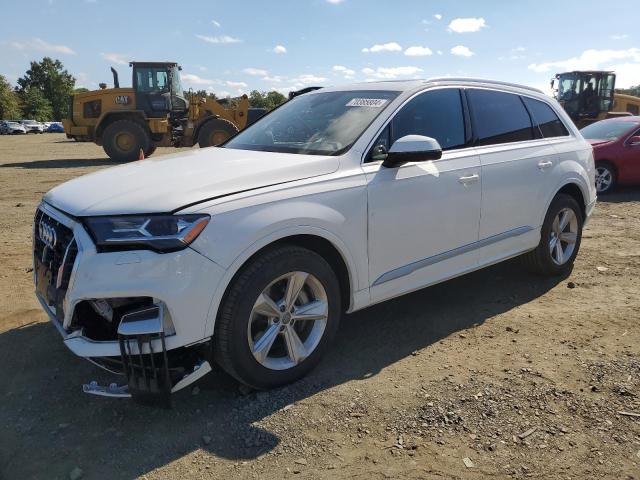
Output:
(43, 93)
(635, 91)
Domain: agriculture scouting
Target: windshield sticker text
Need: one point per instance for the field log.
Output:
(367, 102)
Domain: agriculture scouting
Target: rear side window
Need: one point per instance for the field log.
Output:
(549, 123)
(437, 114)
(499, 117)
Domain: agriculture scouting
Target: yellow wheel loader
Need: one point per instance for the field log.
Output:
(589, 96)
(154, 112)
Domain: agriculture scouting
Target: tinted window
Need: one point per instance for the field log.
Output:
(549, 123)
(437, 114)
(499, 117)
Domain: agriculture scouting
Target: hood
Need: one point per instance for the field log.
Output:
(167, 183)
(596, 141)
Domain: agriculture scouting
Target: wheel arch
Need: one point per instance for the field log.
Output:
(574, 188)
(315, 239)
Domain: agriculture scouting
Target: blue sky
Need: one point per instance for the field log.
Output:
(230, 47)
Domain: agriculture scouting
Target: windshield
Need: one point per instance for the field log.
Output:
(315, 124)
(607, 130)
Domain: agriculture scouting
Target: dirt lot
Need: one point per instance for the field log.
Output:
(499, 374)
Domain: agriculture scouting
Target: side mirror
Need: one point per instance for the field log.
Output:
(412, 148)
(635, 140)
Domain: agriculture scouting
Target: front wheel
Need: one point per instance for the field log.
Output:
(215, 132)
(278, 319)
(560, 238)
(123, 139)
(605, 178)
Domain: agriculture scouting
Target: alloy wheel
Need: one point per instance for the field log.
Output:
(288, 320)
(604, 179)
(564, 234)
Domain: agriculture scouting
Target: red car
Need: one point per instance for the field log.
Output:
(616, 151)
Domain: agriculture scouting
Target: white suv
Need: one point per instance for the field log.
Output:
(248, 253)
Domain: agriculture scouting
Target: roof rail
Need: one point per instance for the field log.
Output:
(482, 80)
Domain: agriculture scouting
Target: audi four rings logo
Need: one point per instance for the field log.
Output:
(47, 234)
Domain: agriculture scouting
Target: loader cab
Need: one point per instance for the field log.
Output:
(585, 95)
(158, 89)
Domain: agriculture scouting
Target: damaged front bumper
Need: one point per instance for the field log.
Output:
(138, 314)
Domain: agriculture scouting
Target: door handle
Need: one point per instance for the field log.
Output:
(544, 164)
(469, 179)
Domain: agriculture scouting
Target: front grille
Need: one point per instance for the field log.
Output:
(54, 251)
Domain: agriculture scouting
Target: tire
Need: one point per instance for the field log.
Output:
(237, 320)
(542, 260)
(606, 178)
(151, 150)
(215, 132)
(123, 139)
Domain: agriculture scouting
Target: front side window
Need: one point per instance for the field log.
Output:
(320, 123)
(549, 123)
(499, 117)
(437, 114)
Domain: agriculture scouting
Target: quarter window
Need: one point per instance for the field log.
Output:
(549, 123)
(499, 117)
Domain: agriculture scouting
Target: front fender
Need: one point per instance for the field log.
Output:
(266, 240)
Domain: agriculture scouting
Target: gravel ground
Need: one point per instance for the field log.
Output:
(499, 374)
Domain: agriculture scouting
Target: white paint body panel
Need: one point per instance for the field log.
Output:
(379, 220)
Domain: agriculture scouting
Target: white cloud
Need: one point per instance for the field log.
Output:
(384, 47)
(627, 74)
(465, 25)
(347, 72)
(279, 49)
(256, 72)
(229, 83)
(588, 60)
(335, 2)
(224, 39)
(42, 46)
(202, 68)
(215, 23)
(439, 52)
(437, 16)
(309, 79)
(462, 51)
(418, 51)
(117, 58)
(621, 36)
(195, 80)
(389, 73)
(274, 78)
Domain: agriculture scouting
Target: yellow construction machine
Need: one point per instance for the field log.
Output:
(153, 112)
(589, 96)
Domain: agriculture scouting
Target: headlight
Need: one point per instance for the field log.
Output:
(161, 233)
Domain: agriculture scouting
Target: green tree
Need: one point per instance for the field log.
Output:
(9, 102)
(635, 91)
(80, 90)
(35, 106)
(53, 81)
(268, 100)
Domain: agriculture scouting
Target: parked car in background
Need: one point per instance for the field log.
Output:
(616, 151)
(8, 127)
(31, 126)
(55, 127)
(248, 254)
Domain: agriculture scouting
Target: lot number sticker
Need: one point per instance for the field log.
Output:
(367, 102)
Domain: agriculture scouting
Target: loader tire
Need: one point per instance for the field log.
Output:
(123, 139)
(215, 132)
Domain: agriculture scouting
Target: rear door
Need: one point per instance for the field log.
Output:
(517, 165)
(629, 163)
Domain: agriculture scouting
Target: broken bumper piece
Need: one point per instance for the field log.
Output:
(149, 379)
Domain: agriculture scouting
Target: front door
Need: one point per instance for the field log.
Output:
(423, 216)
(629, 163)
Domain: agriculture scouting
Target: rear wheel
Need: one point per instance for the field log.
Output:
(278, 319)
(606, 177)
(215, 132)
(560, 238)
(123, 139)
